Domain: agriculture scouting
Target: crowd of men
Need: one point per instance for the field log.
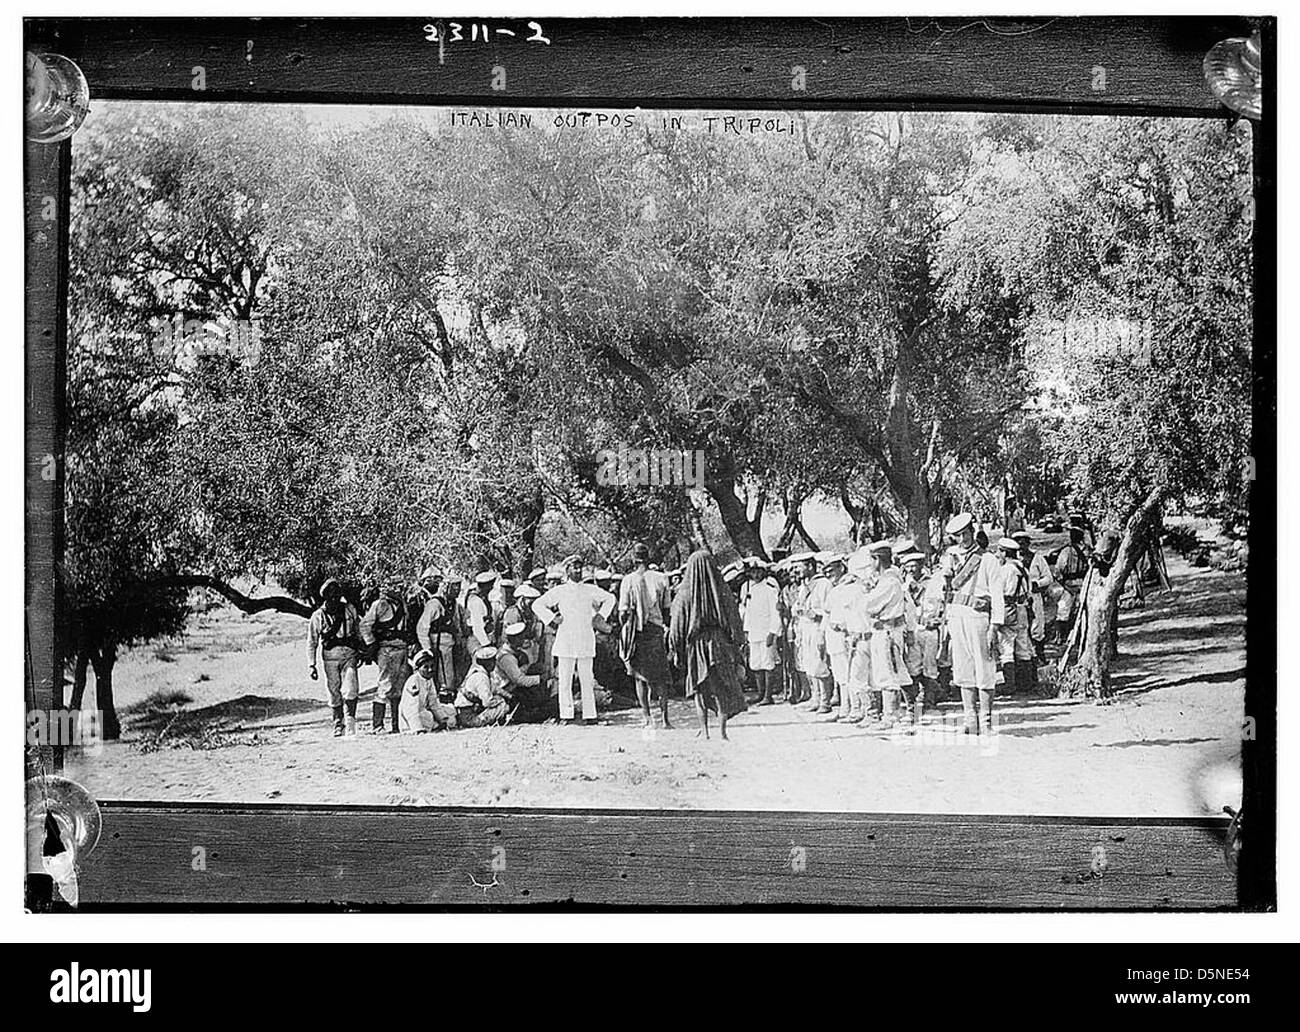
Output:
(876, 636)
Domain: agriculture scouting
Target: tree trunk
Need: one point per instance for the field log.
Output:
(918, 517)
(743, 532)
(1097, 649)
(102, 662)
(79, 678)
(854, 512)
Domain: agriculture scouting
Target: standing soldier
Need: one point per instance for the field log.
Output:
(1071, 566)
(1010, 619)
(762, 624)
(792, 607)
(969, 575)
(479, 613)
(436, 634)
(923, 626)
(841, 637)
(644, 610)
(525, 596)
(335, 630)
(1042, 597)
(571, 608)
(885, 606)
(813, 634)
(383, 629)
(849, 609)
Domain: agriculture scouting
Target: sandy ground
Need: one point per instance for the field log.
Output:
(250, 727)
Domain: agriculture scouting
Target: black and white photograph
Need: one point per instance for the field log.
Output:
(450, 451)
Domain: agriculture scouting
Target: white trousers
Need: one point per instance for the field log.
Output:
(973, 666)
(587, 678)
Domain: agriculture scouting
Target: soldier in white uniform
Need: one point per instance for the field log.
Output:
(812, 637)
(922, 627)
(969, 574)
(886, 608)
(864, 695)
(1010, 617)
(570, 608)
(843, 627)
(761, 618)
(1043, 592)
(1071, 568)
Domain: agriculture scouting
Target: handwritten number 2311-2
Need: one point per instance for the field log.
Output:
(481, 31)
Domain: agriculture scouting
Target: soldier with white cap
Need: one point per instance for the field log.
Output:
(812, 632)
(420, 708)
(886, 608)
(525, 596)
(859, 700)
(525, 688)
(969, 575)
(479, 704)
(570, 608)
(1043, 593)
(479, 612)
(761, 618)
(1010, 618)
(922, 627)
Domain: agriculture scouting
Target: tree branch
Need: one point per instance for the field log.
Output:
(245, 603)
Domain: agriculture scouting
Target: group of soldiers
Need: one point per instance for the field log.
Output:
(879, 635)
(874, 636)
(454, 652)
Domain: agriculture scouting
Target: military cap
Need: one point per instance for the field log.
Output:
(959, 523)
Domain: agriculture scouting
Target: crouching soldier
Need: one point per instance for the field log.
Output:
(479, 704)
(420, 708)
(383, 629)
(527, 691)
(334, 630)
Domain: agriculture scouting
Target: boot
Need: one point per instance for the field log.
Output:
(350, 726)
(1027, 675)
(932, 696)
(945, 683)
(986, 711)
(969, 718)
(889, 707)
(377, 718)
(1009, 683)
(338, 721)
(394, 729)
(824, 694)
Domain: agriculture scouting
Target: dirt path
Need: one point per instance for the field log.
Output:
(1169, 744)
